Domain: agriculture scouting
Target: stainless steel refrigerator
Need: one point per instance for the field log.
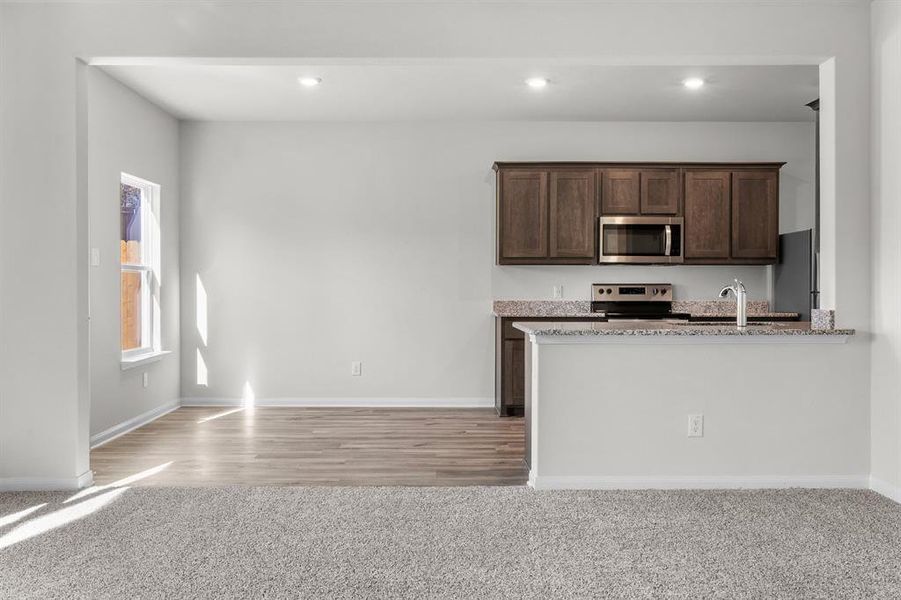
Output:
(795, 275)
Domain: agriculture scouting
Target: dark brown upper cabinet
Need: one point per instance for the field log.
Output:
(523, 215)
(621, 192)
(755, 214)
(707, 212)
(572, 214)
(660, 192)
(546, 217)
(640, 191)
(547, 213)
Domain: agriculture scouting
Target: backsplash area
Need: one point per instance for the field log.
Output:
(689, 282)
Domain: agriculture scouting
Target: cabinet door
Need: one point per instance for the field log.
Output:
(620, 192)
(523, 214)
(707, 208)
(755, 214)
(572, 215)
(514, 373)
(660, 192)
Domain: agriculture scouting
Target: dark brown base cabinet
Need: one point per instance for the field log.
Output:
(547, 213)
(510, 364)
(509, 377)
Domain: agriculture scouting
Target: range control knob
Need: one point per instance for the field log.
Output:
(600, 291)
(663, 290)
(609, 291)
(656, 291)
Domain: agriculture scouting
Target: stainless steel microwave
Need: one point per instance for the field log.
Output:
(641, 240)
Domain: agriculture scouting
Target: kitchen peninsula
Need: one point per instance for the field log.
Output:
(510, 342)
(657, 404)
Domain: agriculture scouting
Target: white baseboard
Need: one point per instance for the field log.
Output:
(45, 484)
(124, 427)
(363, 402)
(892, 492)
(696, 483)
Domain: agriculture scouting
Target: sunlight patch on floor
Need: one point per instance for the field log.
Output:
(222, 414)
(18, 516)
(120, 483)
(58, 518)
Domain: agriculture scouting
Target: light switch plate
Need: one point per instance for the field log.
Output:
(95, 257)
(145, 379)
(356, 368)
(558, 292)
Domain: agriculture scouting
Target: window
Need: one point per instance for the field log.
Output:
(140, 274)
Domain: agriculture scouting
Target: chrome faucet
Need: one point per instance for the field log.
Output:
(741, 302)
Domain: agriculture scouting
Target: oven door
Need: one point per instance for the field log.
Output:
(641, 240)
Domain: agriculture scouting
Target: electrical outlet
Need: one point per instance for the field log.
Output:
(145, 380)
(695, 425)
(558, 292)
(356, 368)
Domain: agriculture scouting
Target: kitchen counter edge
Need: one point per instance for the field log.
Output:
(601, 329)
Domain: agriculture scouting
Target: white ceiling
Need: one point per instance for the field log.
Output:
(477, 91)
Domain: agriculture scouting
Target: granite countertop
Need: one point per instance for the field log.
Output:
(661, 328)
(582, 309)
(544, 308)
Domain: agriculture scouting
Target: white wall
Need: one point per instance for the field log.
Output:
(43, 401)
(319, 244)
(600, 421)
(886, 349)
(126, 133)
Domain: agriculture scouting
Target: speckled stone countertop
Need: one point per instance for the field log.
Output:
(582, 308)
(660, 328)
(544, 308)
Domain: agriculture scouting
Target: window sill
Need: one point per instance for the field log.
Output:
(143, 359)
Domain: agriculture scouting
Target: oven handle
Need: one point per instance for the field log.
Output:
(668, 231)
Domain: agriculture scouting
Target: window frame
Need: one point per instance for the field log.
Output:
(151, 343)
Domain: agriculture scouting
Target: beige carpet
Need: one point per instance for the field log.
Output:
(449, 543)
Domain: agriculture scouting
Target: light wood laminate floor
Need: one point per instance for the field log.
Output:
(318, 446)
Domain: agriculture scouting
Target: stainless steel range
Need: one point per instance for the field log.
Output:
(635, 301)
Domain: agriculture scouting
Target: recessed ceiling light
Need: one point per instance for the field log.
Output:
(693, 83)
(537, 82)
(309, 81)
